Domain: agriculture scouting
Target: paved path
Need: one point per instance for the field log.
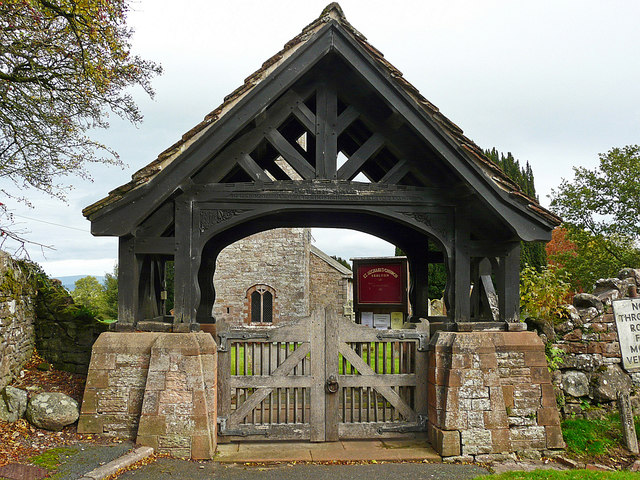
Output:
(168, 469)
(416, 449)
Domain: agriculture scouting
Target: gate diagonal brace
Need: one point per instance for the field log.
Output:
(222, 422)
(225, 336)
(419, 426)
(422, 338)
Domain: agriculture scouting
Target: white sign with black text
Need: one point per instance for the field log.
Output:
(627, 316)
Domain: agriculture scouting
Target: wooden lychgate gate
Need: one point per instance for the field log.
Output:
(322, 378)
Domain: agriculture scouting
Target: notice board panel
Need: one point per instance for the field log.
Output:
(380, 282)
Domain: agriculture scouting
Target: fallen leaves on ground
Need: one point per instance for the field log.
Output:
(20, 440)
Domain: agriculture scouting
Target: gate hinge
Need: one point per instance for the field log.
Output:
(423, 338)
(419, 426)
(232, 335)
(223, 430)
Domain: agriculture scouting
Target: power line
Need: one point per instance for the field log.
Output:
(51, 223)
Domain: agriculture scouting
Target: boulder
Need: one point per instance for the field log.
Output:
(583, 361)
(606, 284)
(586, 300)
(606, 384)
(13, 404)
(572, 311)
(630, 273)
(52, 411)
(575, 383)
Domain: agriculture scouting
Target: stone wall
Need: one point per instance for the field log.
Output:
(330, 283)
(278, 258)
(490, 393)
(584, 346)
(17, 338)
(158, 389)
(65, 331)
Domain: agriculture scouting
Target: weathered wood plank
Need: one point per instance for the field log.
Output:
(332, 400)
(317, 405)
(128, 278)
(254, 400)
(388, 380)
(257, 381)
(389, 394)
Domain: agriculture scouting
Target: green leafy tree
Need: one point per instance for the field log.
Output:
(111, 294)
(342, 261)
(605, 200)
(531, 253)
(64, 65)
(89, 292)
(601, 210)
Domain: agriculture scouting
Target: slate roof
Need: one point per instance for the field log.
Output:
(332, 12)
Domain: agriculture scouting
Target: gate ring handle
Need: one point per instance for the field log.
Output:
(331, 386)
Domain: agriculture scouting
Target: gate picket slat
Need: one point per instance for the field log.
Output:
(387, 392)
(262, 392)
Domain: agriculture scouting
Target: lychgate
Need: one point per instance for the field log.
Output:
(327, 133)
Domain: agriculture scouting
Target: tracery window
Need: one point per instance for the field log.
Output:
(260, 298)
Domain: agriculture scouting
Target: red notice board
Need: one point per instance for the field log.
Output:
(380, 282)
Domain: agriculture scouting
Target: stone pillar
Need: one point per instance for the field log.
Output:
(156, 388)
(490, 393)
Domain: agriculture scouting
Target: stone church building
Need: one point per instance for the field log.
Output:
(278, 275)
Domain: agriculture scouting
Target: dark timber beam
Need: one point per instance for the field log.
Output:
(355, 162)
(252, 169)
(290, 154)
(306, 117)
(462, 272)
(346, 118)
(128, 278)
(155, 245)
(419, 283)
(508, 280)
(325, 132)
(396, 173)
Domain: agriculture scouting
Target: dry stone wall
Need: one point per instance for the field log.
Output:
(17, 313)
(584, 347)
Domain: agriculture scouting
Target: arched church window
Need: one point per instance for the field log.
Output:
(260, 299)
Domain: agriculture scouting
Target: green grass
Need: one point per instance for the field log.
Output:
(561, 475)
(51, 458)
(594, 437)
(384, 360)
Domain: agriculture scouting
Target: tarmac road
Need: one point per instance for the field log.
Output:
(169, 469)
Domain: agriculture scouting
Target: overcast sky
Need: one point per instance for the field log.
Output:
(554, 82)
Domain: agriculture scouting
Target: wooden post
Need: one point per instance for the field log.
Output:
(462, 270)
(332, 400)
(185, 280)
(128, 278)
(419, 284)
(326, 138)
(628, 425)
(318, 418)
(508, 280)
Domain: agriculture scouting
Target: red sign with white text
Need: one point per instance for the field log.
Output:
(381, 283)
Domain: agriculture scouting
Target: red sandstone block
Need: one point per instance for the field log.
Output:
(495, 419)
(148, 441)
(460, 360)
(535, 358)
(98, 379)
(608, 318)
(540, 375)
(599, 327)
(90, 423)
(90, 402)
(554, 437)
(573, 336)
(596, 347)
(500, 441)
(548, 395)
(488, 360)
(202, 447)
(507, 394)
(548, 416)
(612, 350)
(609, 337)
